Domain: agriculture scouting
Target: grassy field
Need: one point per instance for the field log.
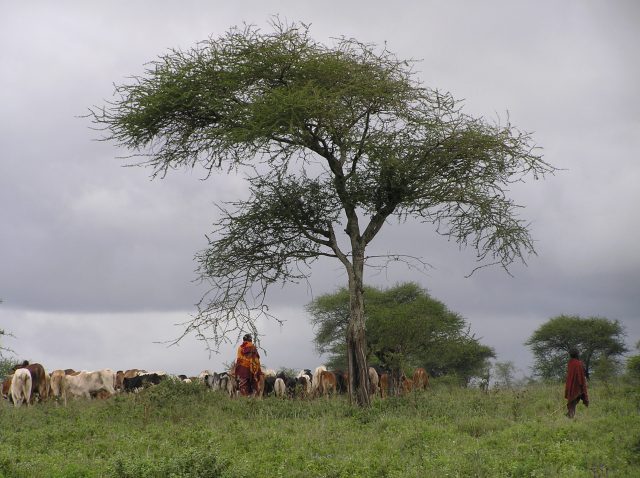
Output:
(181, 430)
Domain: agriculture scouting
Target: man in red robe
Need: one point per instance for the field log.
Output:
(575, 387)
(247, 369)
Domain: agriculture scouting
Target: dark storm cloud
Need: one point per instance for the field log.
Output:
(88, 247)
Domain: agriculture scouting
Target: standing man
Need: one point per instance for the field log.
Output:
(575, 387)
(247, 369)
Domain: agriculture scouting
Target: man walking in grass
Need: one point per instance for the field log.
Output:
(575, 387)
(247, 369)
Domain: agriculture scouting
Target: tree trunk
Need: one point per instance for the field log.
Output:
(356, 339)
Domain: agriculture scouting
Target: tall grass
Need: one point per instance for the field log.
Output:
(182, 430)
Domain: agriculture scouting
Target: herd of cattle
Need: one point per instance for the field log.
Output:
(30, 382)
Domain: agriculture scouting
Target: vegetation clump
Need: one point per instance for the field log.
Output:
(170, 430)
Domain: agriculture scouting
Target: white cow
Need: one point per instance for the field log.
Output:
(86, 383)
(374, 379)
(315, 382)
(21, 386)
(279, 388)
(305, 379)
(204, 375)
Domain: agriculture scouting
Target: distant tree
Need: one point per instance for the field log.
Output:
(330, 319)
(335, 141)
(2, 347)
(594, 337)
(504, 374)
(3, 333)
(633, 367)
(6, 364)
(406, 328)
(633, 364)
(605, 368)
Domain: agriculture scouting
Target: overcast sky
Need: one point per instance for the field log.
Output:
(96, 259)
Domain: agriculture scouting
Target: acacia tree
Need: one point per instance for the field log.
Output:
(334, 140)
(594, 337)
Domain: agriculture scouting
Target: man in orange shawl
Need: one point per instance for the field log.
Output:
(247, 369)
(575, 387)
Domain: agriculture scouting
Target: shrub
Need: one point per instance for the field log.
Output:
(196, 463)
(633, 367)
(448, 381)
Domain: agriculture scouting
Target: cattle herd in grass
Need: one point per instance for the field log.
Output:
(30, 382)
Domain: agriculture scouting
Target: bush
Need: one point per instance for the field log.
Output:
(448, 381)
(6, 366)
(184, 464)
(633, 367)
(169, 392)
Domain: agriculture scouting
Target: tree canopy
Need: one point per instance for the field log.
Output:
(406, 328)
(333, 140)
(593, 337)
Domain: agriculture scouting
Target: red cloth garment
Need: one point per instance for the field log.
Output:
(575, 387)
(247, 369)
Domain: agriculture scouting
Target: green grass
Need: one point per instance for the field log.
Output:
(181, 430)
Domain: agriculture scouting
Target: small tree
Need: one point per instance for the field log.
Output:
(6, 364)
(406, 328)
(504, 373)
(335, 141)
(605, 368)
(633, 365)
(330, 319)
(4, 349)
(594, 337)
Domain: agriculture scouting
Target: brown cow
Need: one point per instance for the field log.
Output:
(134, 372)
(406, 384)
(119, 381)
(6, 387)
(39, 382)
(260, 386)
(327, 383)
(420, 379)
(101, 395)
(342, 381)
(384, 384)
